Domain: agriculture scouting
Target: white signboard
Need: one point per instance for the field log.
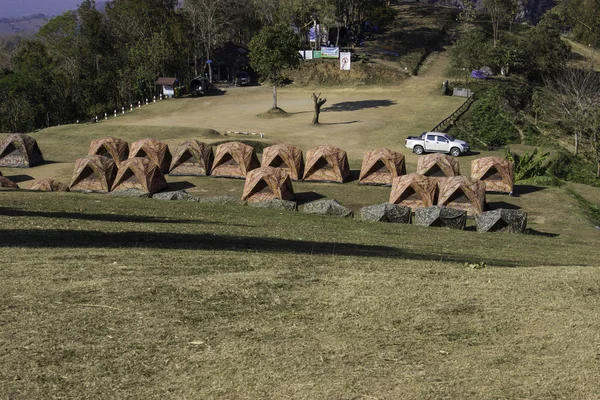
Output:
(345, 61)
(168, 91)
(308, 55)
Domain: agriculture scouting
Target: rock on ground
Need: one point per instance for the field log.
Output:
(386, 212)
(175, 195)
(502, 220)
(276, 204)
(441, 217)
(328, 207)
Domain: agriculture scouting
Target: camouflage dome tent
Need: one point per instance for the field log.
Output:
(48, 185)
(414, 191)
(93, 174)
(267, 183)
(326, 164)
(381, 166)
(438, 165)
(110, 147)
(234, 160)
(141, 174)
(497, 173)
(192, 157)
(6, 183)
(20, 151)
(462, 193)
(153, 150)
(288, 158)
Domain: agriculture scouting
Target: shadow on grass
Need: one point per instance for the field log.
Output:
(307, 197)
(20, 178)
(163, 240)
(339, 123)
(527, 189)
(358, 105)
(180, 185)
(494, 205)
(11, 212)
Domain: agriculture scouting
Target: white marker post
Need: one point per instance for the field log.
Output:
(115, 113)
(105, 116)
(122, 109)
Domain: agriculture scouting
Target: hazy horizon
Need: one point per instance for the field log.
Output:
(22, 8)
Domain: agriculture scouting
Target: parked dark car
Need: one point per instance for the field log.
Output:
(241, 79)
(200, 86)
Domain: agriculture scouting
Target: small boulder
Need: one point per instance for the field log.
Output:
(441, 217)
(502, 220)
(328, 207)
(277, 204)
(6, 183)
(175, 195)
(221, 200)
(386, 212)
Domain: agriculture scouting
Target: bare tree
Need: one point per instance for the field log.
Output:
(210, 20)
(498, 11)
(574, 98)
(318, 102)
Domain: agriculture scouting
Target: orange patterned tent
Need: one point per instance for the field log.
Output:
(141, 174)
(326, 164)
(154, 150)
(497, 173)
(19, 151)
(234, 160)
(6, 183)
(48, 185)
(462, 193)
(414, 191)
(267, 183)
(94, 174)
(110, 147)
(286, 157)
(438, 165)
(381, 166)
(192, 157)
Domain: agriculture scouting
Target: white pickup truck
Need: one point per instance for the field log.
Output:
(436, 142)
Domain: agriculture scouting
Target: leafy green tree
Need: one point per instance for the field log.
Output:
(469, 51)
(273, 49)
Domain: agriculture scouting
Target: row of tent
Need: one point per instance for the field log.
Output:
(323, 163)
(413, 190)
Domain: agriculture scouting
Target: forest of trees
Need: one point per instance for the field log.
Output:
(85, 62)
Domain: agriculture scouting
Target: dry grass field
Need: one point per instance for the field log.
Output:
(104, 297)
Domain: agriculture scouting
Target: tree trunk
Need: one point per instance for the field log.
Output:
(274, 89)
(576, 152)
(318, 103)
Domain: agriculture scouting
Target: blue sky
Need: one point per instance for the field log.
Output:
(21, 8)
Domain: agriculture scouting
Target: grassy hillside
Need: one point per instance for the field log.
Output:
(108, 297)
(105, 297)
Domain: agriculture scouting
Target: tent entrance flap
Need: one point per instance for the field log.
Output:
(322, 164)
(10, 151)
(492, 174)
(188, 157)
(228, 160)
(459, 197)
(278, 163)
(435, 171)
(262, 187)
(410, 194)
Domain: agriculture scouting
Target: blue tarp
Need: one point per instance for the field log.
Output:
(478, 74)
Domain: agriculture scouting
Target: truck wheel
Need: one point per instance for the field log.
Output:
(418, 150)
(455, 152)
